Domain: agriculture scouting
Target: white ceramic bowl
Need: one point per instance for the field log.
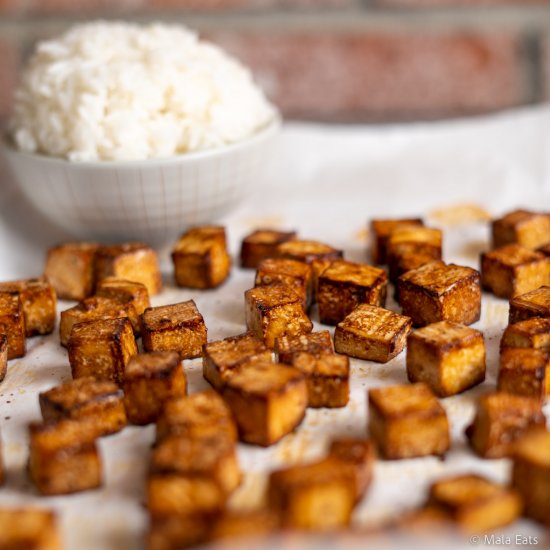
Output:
(151, 200)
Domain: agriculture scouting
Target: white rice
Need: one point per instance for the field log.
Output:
(118, 91)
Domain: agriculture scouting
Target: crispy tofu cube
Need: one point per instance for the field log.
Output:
(449, 357)
(381, 230)
(531, 333)
(102, 349)
(236, 525)
(149, 380)
(512, 270)
(274, 311)
(307, 251)
(70, 268)
(221, 358)
(407, 261)
(3, 356)
(528, 229)
(63, 457)
(535, 303)
(178, 327)
(406, 421)
(268, 401)
(262, 244)
(440, 292)
(343, 285)
(318, 496)
(131, 261)
(502, 418)
(12, 323)
(286, 347)
(97, 402)
(476, 504)
(175, 532)
(28, 529)
(372, 333)
(200, 258)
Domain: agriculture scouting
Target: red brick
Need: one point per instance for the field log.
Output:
(9, 62)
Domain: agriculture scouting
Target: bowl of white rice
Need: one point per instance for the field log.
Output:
(129, 132)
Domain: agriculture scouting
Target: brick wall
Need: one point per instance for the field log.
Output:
(339, 60)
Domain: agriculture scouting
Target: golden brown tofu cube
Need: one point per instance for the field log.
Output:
(531, 333)
(512, 270)
(131, 261)
(528, 229)
(501, 418)
(407, 421)
(221, 358)
(63, 457)
(372, 333)
(12, 323)
(150, 379)
(268, 400)
(177, 327)
(476, 504)
(449, 357)
(28, 529)
(262, 244)
(440, 292)
(3, 356)
(200, 258)
(381, 230)
(175, 532)
(274, 311)
(318, 496)
(407, 261)
(236, 525)
(343, 285)
(307, 251)
(38, 301)
(191, 476)
(286, 347)
(95, 401)
(535, 303)
(70, 268)
(102, 349)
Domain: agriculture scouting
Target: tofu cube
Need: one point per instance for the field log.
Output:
(440, 292)
(12, 323)
(343, 285)
(502, 418)
(372, 333)
(221, 358)
(102, 349)
(286, 347)
(381, 229)
(173, 532)
(535, 303)
(448, 357)
(244, 525)
(262, 244)
(28, 529)
(476, 504)
(200, 258)
(70, 269)
(268, 401)
(407, 421)
(97, 402)
(407, 261)
(512, 270)
(178, 327)
(3, 356)
(531, 333)
(149, 380)
(135, 262)
(307, 251)
(274, 311)
(523, 227)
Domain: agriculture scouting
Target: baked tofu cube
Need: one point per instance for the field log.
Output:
(512, 270)
(407, 421)
(12, 323)
(274, 311)
(528, 229)
(502, 418)
(70, 268)
(525, 371)
(149, 380)
(372, 333)
(177, 327)
(221, 358)
(86, 399)
(476, 504)
(407, 261)
(28, 529)
(286, 347)
(448, 357)
(200, 258)
(268, 400)
(381, 230)
(343, 285)
(318, 496)
(191, 476)
(531, 333)
(63, 457)
(38, 301)
(262, 244)
(102, 349)
(131, 261)
(531, 474)
(440, 292)
(308, 251)
(175, 532)
(3, 356)
(238, 525)
(535, 303)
